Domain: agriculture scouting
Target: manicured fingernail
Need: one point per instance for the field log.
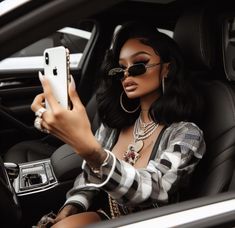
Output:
(40, 76)
(72, 83)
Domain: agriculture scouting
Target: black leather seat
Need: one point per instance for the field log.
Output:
(195, 33)
(33, 150)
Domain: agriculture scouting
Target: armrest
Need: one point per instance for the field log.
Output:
(66, 163)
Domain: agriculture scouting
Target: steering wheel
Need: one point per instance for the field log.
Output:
(10, 210)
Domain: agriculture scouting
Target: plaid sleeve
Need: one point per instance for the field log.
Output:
(181, 148)
(81, 194)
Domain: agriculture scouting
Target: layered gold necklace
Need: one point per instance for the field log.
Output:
(141, 132)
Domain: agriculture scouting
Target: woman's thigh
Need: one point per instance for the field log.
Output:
(78, 220)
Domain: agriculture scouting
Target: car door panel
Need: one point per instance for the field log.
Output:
(16, 116)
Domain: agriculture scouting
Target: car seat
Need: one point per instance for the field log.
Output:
(32, 150)
(196, 33)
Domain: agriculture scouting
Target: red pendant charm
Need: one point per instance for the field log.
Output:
(132, 154)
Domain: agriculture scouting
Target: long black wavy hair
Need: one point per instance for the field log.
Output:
(179, 101)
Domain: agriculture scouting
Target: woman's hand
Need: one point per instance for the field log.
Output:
(65, 212)
(51, 219)
(71, 126)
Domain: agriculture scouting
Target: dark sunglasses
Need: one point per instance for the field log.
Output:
(134, 70)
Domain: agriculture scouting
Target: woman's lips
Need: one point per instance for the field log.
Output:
(129, 86)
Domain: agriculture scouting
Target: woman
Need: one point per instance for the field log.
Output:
(148, 143)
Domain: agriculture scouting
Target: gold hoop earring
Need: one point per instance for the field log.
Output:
(163, 85)
(122, 106)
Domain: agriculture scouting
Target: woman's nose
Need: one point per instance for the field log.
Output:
(126, 73)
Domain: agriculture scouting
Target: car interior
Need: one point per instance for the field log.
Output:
(201, 49)
(39, 169)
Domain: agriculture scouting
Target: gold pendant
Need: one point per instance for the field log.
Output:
(132, 154)
(138, 146)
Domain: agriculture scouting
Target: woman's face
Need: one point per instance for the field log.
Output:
(146, 84)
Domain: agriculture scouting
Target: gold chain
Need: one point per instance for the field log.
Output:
(148, 129)
(114, 208)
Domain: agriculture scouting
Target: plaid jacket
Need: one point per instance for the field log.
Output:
(180, 149)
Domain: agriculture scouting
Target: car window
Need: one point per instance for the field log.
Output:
(30, 59)
(9, 5)
(73, 38)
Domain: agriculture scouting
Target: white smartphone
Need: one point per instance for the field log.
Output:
(56, 69)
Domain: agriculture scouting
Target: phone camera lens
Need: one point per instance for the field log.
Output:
(47, 58)
(55, 71)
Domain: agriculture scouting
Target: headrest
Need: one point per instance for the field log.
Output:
(228, 46)
(194, 34)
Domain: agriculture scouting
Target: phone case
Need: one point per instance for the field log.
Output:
(56, 69)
